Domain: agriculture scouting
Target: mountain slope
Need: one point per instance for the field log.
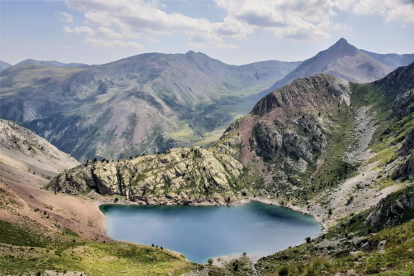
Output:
(341, 60)
(20, 148)
(316, 133)
(4, 65)
(392, 60)
(52, 63)
(145, 103)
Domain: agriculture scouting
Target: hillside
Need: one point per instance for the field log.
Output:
(4, 65)
(145, 103)
(316, 130)
(23, 149)
(43, 233)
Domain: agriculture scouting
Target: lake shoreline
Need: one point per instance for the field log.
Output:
(219, 260)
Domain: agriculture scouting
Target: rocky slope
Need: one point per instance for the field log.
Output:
(179, 176)
(145, 103)
(23, 149)
(290, 132)
(313, 134)
(27, 163)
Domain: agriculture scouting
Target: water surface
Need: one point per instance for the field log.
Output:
(205, 232)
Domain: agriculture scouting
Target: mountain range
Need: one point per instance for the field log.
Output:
(152, 102)
(339, 151)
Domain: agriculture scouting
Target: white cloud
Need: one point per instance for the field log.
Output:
(293, 19)
(66, 17)
(134, 19)
(79, 30)
(209, 41)
(113, 43)
(389, 9)
(109, 33)
(341, 27)
(296, 19)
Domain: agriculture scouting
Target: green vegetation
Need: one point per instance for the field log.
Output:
(24, 251)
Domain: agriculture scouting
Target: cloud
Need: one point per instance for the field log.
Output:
(209, 41)
(133, 19)
(66, 17)
(389, 9)
(79, 30)
(296, 19)
(109, 33)
(113, 43)
(293, 19)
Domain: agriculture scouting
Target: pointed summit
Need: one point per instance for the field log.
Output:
(343, 48)
(341, 60)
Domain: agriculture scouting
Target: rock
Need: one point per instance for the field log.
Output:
(180, 176)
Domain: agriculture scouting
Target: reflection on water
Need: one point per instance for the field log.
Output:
(205, 232)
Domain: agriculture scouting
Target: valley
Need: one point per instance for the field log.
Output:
(324, 144)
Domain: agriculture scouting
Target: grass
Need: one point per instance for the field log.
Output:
(24, 251)
(317, 259)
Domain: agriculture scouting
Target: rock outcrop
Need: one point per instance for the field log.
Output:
(179, 176)
(393, 210)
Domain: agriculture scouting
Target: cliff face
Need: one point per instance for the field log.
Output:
(179, 176)
(288, 132)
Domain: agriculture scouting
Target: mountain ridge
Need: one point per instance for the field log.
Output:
(139, 103)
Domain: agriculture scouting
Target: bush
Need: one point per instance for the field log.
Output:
(284, 271)
(308, 239)
(210, 261)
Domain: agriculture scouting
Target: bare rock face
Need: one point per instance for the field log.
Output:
(179, 176)
(393, 210)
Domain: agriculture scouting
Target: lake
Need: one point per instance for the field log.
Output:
(205, 232)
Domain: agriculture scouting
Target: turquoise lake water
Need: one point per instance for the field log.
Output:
(203, 232)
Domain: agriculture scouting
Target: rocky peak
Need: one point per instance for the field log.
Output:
(304, 92)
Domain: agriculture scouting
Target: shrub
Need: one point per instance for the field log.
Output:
(210, 261)
(284, 271)
(308, 239)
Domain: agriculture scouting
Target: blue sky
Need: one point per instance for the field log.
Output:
(233, 31)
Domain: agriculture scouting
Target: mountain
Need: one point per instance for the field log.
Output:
(392, 60)
(145, 103)
(342, 60)
(311, 135)
(319, 136)
(52, 63)
(4, 65)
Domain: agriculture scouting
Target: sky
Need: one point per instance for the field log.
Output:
(233, 31)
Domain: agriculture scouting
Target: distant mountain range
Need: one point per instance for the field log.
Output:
(145, 103)
(4, 65)
(52, 63)
(347, 62)
(152, 102)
